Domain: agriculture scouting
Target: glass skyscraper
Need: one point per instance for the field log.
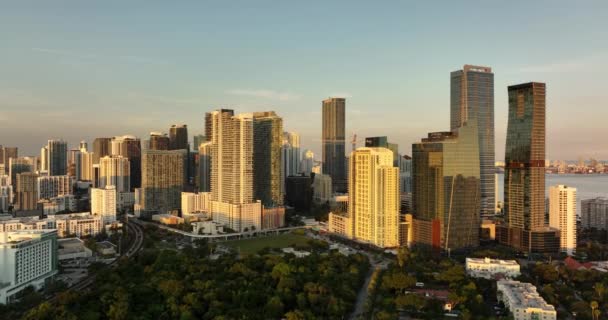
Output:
(333, 139)
(525, 226)
(472, 99)
(446, 189)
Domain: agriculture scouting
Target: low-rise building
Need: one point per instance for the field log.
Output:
(207, 227)
(167, 219)
(78, 224)
(492, 268)
(27, 258)
(72, 248)
(297, 253)
(523, 301)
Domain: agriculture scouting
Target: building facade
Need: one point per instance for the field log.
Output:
(48, 187)
(57, 157)
(523, 301)
(472, 100)
(163, 179)
(178, 137)
(445, 189)
(115, 171)
(525, 227)
(158, 141)
(290, 157)
(267, 149)
(28, 258)
(594, 213)
(101, 148)
(103, 203)
(204, 167)
(333, 142)
(26, 191)
(562, 215)
(492, 268)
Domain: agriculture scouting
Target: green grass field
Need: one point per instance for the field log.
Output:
(252, 246)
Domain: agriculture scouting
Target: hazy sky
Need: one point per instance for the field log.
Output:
(81, 69)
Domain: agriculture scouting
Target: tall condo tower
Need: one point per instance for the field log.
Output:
(333, 140)
(525, 227)
(472, 99)
(58, 157)
(178, 137)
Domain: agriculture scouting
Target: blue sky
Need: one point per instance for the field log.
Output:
(82, 69)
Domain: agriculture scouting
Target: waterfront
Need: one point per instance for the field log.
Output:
(587, 185)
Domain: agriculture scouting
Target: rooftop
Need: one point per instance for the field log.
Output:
(492, 261)
(524, 295)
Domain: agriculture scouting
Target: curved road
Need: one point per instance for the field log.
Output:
(132, 227)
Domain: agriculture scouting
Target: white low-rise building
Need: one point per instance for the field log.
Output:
(27, 258)
(72, 248)
(207, 227)
(523, 301)
(78, 224)
(492, 268)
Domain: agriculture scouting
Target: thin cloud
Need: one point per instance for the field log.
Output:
(265, 94)
(95, 56)
(591, 62)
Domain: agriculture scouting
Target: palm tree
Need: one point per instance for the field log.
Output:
(600, 290)
(594, 306)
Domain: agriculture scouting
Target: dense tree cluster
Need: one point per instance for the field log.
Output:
(397, 291)
(188, 285)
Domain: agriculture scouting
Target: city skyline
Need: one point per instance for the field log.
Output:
(57, 76)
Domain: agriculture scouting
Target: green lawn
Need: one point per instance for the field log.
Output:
(253, 245)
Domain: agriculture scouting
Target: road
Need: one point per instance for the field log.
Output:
(134, 227)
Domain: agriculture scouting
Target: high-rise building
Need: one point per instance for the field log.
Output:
(308, 162)
(58, 157)
(299, 192)
(129, 147)
(26, 191)
(374, 196)
(231, 157)
(322, 188)
(84, 165)
(115, 171)
(163, 178)
(245, 166)
(158, 141)
(290, 158)
(27, 258)
(525, 227)
(101, 148)
(472, 100)
(6, 193)
(445, 189)
(48, 187)
(562, 215)
(382, 142)
(594, 213)
(44, 159)
(332, 140)
(373, 199)
(20, 165)
(6, 153)
(103, 203)
(267, 144)
(73, 157)
(204, 167)
(405, 174)
(178, 137)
